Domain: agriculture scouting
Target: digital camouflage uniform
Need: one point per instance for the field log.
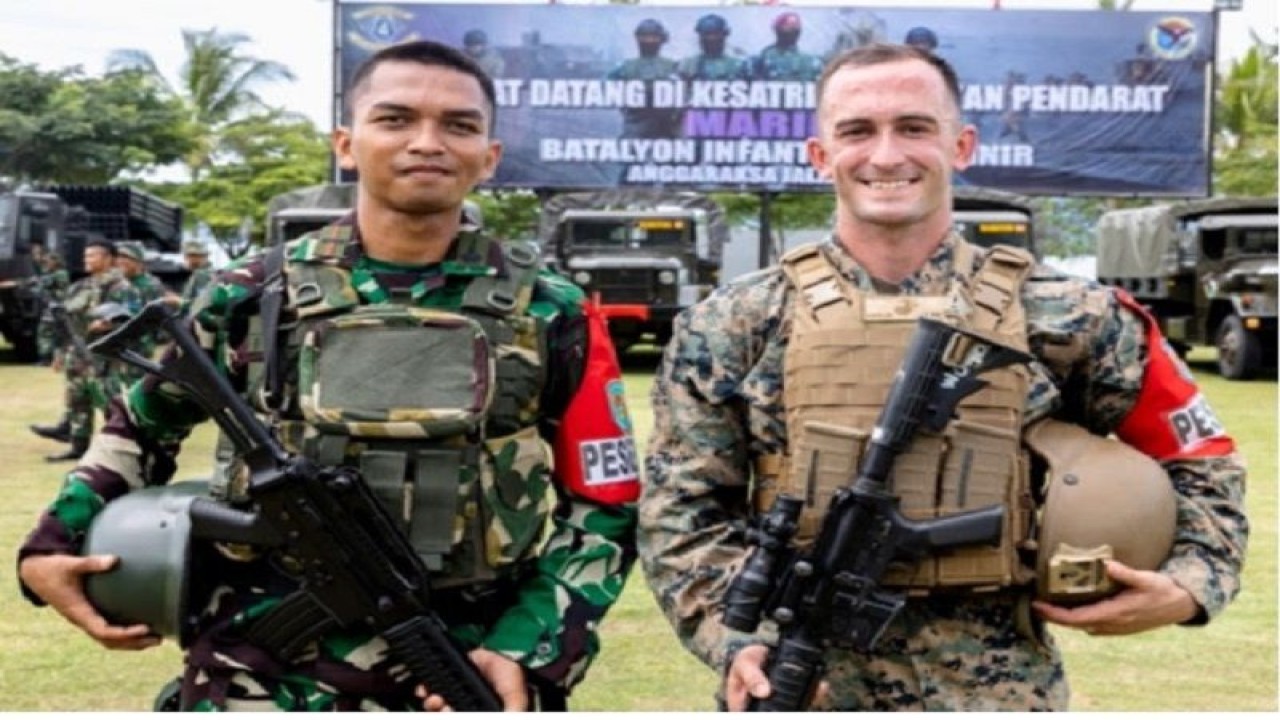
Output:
(546, 603)
(648, 122)
(88, 381)
(718, 408)
(779, 63)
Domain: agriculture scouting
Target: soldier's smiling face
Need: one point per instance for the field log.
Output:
(890, 137)
(419, 137)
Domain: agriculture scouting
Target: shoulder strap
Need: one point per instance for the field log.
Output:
(270, 307)
(997, 285)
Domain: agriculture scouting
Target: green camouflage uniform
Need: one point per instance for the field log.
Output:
(89, 381)
(52, 284)
(718, 407)
(149, 288)
(196, 283)
(706, 67)
(648, 122)
(777, 63)
(545, 605)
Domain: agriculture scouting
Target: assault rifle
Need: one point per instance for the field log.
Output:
(830, 594)
(355, 568)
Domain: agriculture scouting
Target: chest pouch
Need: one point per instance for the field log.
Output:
(387, 371)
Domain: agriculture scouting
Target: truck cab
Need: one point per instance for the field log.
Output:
(642, 257)
(986, 217)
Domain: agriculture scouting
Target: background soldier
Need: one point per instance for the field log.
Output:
(648, 65)
(132, 261)
(195, 255)
(476, 44)
(712, 63)
(783, 59)
(88, 382)
(527, 554)
(834, 320)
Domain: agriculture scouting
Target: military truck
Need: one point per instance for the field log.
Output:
(1206, 269)
(310, 208)
(62, 219)
(641, 255)
(986, 217)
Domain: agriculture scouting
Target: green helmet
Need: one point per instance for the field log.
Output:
(150, 531)
(1105, 501)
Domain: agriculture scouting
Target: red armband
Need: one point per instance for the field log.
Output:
(595, 454)
(1171, 419)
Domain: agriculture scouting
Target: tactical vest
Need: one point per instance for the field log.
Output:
(844, 349)
(436, 407)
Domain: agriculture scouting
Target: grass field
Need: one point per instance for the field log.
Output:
(1230, 665)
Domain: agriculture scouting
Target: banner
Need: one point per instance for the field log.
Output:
(1065, 102)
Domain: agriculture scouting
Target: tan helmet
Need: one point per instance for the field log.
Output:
(1105, 500)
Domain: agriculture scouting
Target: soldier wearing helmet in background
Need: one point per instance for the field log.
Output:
(648, 65)
(195, 255)
(783, 59)
(921, 37)
(712, 63)
(476, 44)
(773, 385)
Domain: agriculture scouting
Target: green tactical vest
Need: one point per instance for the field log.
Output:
(436, 407)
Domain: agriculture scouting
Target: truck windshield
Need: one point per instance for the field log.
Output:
(628, 233)
(1258, 241)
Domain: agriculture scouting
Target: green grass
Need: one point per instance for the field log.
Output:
(46, 665)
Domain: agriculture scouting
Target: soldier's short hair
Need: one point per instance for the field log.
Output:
(878, 53)
(424, 52)
(106, 245)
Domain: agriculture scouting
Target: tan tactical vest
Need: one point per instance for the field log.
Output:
(844, 349)
(438, 411)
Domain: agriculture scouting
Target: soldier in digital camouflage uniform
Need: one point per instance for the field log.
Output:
(88, 382)
(648, 65)
(531, 553)
(783, 59)
(712, 63)
(890, 137)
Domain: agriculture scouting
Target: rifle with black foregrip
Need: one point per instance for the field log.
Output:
(830, 594)
(354, 567)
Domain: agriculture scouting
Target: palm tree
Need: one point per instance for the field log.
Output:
(216, 83)
(1247, 106)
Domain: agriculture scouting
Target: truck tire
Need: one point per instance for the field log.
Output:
(25, 347)
(1239, 351)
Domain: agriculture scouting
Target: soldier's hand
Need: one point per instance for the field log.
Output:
(504, 675)
(747, 680)
(1149, 600)
(99, 326)
(59, 581)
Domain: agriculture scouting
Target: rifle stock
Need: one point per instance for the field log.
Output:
(830, 595)
(356, 569)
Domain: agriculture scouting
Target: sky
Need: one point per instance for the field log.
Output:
(59, 33)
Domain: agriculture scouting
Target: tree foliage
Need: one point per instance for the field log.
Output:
(61, 126)
(1245, 160)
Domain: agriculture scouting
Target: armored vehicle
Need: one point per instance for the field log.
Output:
(641, 255)
(986, 217)
(1206, 269)
(61, 219)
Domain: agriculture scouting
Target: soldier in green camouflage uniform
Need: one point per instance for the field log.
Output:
(783, 60)
(890, 136)
(131, 259)
(196, 257)
(532, 554)
(88, 383)
(712, 63)
(52, 279)
(649, 65)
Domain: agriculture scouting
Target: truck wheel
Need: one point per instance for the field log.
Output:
(25, 349)
(1239, 351)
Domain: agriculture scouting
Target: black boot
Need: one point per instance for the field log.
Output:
(60, 432)
(75, 452)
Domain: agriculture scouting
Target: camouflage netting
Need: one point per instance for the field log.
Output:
(1143, 242)
(636, 199)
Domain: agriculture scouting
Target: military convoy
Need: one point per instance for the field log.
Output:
(641, 255)
(62, 219)
(1206, 269)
